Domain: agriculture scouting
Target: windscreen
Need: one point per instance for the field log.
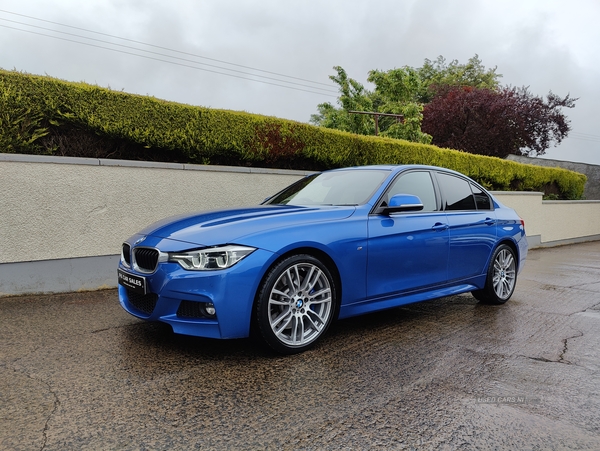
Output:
(345, 187)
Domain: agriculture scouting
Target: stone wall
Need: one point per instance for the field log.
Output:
(592, 171)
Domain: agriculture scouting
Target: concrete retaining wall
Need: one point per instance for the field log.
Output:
(55, 208)
(62, 220)
(554, 222)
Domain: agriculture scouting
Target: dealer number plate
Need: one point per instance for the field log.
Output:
(133, 282)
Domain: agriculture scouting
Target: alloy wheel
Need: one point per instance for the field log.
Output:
(300, 304)
(504, 276)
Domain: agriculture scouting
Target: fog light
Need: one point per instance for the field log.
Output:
(209, 308)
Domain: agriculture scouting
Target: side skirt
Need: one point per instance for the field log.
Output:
(398, 299)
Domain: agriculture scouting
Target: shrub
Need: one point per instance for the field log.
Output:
(46, 115)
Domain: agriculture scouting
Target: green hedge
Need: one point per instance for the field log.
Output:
(32, 108)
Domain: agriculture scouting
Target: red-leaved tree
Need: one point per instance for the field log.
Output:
(496, 122)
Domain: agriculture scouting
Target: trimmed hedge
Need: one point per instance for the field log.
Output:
(36, 113)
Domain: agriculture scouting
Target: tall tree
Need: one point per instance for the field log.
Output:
(401, 91)
(353, 97)
(439, 73)
(496, 122)
(390, 96)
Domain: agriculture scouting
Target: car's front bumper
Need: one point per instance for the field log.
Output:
(173, 293)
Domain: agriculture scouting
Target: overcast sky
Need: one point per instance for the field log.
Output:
(207, 52)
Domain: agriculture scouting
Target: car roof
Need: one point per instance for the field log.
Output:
(395, 168)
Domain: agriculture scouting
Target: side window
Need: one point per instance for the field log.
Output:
(417, 183)
(456, 192)
(482, 200)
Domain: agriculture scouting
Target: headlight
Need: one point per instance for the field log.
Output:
(211, 258)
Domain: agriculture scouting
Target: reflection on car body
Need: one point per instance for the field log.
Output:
(333, 245)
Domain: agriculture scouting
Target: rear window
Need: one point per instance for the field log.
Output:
(456, 193)
(482, 200)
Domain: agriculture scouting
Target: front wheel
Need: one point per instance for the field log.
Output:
(501, 277)
(296, 304)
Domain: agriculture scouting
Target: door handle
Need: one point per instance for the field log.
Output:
(489, 221)
(438, 226)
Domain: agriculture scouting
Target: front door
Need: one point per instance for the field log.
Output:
(408, 251)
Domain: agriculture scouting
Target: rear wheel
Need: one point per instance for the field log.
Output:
(501, 277)
(296, 304)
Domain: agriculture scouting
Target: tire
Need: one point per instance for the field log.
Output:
(296, 304)
(501, 277)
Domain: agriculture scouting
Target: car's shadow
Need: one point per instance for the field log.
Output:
(158, 341)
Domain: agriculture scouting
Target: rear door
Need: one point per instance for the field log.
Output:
(472, 225)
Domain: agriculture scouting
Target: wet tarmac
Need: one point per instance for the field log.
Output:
(78, 373)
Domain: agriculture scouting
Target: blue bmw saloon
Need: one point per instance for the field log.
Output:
(335, 244)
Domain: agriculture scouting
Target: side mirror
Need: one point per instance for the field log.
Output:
(403, 202)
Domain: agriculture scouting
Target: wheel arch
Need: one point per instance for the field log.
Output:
(306, 250)
(510, 243)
